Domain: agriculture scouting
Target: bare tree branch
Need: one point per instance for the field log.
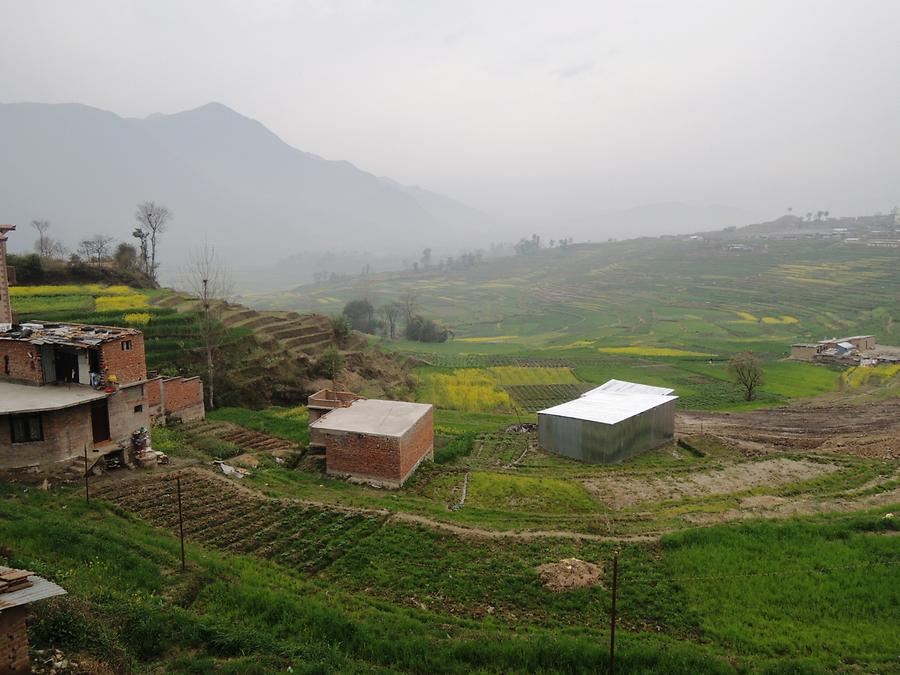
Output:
(152, 219)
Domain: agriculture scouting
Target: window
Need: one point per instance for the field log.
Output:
(26, 428)
(6, 364)
(126, 345)
(138, 408)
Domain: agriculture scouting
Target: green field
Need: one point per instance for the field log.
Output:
(662, 311)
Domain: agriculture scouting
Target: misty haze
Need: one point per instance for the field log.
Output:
(449, 337)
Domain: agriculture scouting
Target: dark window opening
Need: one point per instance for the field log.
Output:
(138, 408)
(126, 345)
(6, 364)
(26, 428)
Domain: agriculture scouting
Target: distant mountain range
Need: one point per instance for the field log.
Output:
(225, 177)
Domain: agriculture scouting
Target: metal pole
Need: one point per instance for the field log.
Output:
(87, 495)
(612, 623)
(180, 520)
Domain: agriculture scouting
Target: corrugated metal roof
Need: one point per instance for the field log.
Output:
(846, 345)
(373, 417)
(608, 407)
(622, 387)
(66, 334)
(40, 588)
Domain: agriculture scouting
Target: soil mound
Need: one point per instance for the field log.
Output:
(569, 573)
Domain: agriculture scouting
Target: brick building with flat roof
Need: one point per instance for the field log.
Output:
(375, 441)
(67, 388)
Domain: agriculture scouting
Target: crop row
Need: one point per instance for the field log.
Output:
(219, 514)
(534, 397)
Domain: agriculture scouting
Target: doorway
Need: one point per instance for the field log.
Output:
(100, 420)
(66, 366)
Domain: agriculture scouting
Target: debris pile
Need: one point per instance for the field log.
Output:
(14, 580)
(569, 573)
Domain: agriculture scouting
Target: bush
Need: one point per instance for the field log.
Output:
(340, 329)
(420, 329)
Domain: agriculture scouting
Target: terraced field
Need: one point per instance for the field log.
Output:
(220, 514)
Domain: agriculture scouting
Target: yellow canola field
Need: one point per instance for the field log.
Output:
(69, 289)
(124, 302)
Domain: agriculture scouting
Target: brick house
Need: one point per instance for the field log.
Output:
(373, 440)
(16, 594)
(69, 387)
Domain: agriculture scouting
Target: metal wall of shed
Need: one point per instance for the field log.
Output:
(597, 443)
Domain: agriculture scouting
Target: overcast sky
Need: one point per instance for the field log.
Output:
(525, 109)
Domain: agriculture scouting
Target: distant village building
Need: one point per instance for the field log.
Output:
(609, 424)
(18, 589)
(371, 440)
(66, 388)
(856, 349)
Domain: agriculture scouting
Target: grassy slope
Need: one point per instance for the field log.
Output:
(459, 606)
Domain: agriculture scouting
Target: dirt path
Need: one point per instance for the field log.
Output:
(524, 535)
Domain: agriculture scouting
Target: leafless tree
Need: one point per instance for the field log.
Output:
(391, 312)
(41, 246)
(96, 248)
(152, 219)
(408, 302)
(746, 369)
(210, 280)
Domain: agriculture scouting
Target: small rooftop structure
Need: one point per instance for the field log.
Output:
(33, 589)
(18, 589)
(610, 423)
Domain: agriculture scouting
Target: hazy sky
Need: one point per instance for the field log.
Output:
(524, 109)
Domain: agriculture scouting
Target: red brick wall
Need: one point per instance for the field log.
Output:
(153, 392)
(128, 366)
(184, 397)
(13, 641)
(362, 456)
(21, 367)
(417, 444)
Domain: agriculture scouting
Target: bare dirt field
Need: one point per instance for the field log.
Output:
(866, 430)
(623, 491)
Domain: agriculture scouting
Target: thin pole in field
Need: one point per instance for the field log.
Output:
(612, 622)
(180, 520)
(87, 496)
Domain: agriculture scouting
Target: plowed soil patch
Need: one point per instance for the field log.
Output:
(623, 491)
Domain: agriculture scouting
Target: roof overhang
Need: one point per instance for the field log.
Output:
(18, 398)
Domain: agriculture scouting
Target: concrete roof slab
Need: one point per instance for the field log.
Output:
(27, 398)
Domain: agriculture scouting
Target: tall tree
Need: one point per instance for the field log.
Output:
(391, 312)
(152, 219)
(209, 279)
(747, 372)
(409, 302)
(95, 249)
(42, 245)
